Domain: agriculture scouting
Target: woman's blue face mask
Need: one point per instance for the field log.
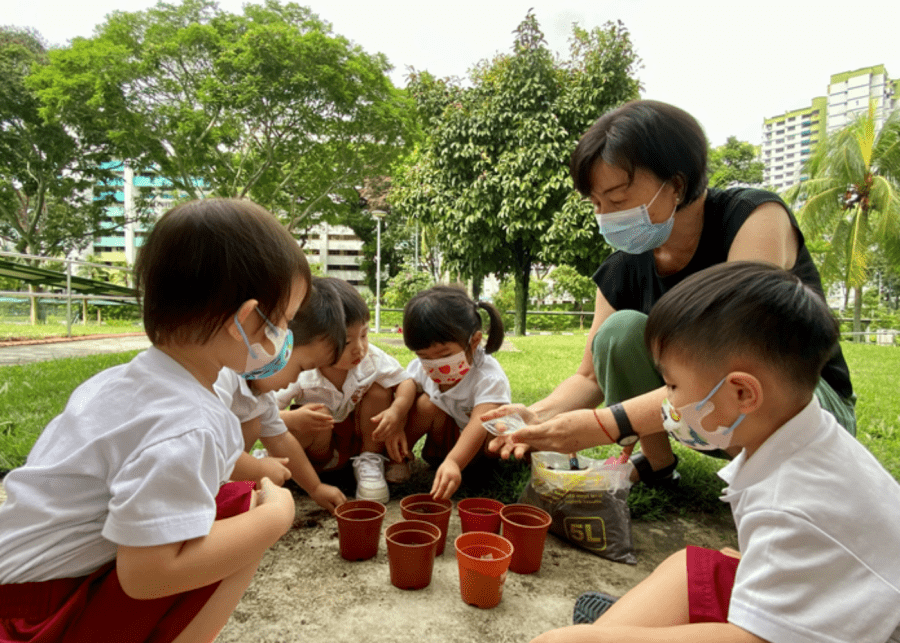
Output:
(632, 231)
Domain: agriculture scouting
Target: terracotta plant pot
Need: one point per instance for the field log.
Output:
(479, 514)
(483, 559)
(411, 546)
(421, 506)
(359, 528)
(526, 528)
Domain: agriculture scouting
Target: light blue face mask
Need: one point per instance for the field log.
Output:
(632, 231)
(261, 364)
(685, 424)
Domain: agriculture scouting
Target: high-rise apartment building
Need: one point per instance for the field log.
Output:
(789, 139)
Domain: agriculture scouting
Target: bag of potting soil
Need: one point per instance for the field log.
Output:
(588, 505)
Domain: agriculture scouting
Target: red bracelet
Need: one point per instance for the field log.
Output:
(603, 428)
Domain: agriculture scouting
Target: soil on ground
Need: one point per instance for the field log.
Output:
(304, 590)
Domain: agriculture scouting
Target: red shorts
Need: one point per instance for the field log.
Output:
(710, 576)
(95, 608)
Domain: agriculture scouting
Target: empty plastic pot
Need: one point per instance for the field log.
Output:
(421, 506)
(479, 514)
(411, 546)
(359, 528)
(526, 528)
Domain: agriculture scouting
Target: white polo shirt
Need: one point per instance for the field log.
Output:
(235, 392)
(136, 458)
(485, 383)
(818, 521)
(313, 387)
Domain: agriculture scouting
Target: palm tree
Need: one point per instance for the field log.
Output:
(851, 199)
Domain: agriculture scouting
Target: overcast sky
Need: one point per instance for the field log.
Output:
(731, 64)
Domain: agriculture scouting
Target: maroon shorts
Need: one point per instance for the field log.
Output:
(94, 608)
(710, 576)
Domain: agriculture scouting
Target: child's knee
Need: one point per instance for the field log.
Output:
(378, 396)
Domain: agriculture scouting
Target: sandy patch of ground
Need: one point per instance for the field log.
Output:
(304, 590)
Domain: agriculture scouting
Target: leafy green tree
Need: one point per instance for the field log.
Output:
(735, 163)
(491, 175)
(51, 201)
(852, 200)
(568, 282)
(270, 104)
(404, 285)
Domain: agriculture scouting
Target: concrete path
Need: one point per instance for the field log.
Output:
(27, 352)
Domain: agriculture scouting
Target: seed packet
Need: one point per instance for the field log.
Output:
(504, 425)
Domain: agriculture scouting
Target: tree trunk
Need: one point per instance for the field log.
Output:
(857, 313)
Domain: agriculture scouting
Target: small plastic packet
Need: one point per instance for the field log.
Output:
(504, 425)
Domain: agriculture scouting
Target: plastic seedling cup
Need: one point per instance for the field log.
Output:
(526, 528)
(411, 546)
(479, 514)
(421, 506)
(483, 560)
(359, 528)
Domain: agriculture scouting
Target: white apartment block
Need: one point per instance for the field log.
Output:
(337, 249)
(789, 139)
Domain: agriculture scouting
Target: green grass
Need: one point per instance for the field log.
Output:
(55, 327)
(32, 394)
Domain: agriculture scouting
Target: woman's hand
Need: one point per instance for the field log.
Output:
(508, 409)
(565, 433)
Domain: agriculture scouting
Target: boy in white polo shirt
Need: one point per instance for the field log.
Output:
(740, 347)
(355, 408)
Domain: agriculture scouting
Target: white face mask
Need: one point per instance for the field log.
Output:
(685, 424)
(446, 370)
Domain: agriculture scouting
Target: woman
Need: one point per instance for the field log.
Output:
(643, 167)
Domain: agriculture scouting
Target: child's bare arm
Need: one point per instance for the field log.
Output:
(164, 570)
(286, 445)
(392, 420)
(471, 441)
(691, 633)
(248, 467)
(309, 417)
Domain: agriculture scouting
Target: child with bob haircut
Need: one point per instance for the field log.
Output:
(458, 380)
(741, 346)
(354, 408)
(317, 332)
(122, 525)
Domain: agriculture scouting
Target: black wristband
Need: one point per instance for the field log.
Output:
(627, 436)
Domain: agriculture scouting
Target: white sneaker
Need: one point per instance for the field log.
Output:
(368, 467)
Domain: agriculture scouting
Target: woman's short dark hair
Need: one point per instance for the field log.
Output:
(747, 309)
(321, 318)
(444, 314)
(648, 134)
(203, 259)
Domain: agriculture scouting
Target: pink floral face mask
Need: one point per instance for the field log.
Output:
(446, 370)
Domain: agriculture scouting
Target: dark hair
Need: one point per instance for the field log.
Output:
(648, 134)
(321, 317)
(447, 314)
(744, 308)
(203, 259)
(355, 309)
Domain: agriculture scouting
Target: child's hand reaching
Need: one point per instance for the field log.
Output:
(313, 416)
(328, 497)
(446, 480)
(279, 499)
(389, 426)
(275, 469)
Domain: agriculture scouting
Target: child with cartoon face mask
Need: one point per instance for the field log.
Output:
(741, 346)
(458, 380)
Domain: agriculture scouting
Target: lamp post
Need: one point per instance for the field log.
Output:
(379, 215)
